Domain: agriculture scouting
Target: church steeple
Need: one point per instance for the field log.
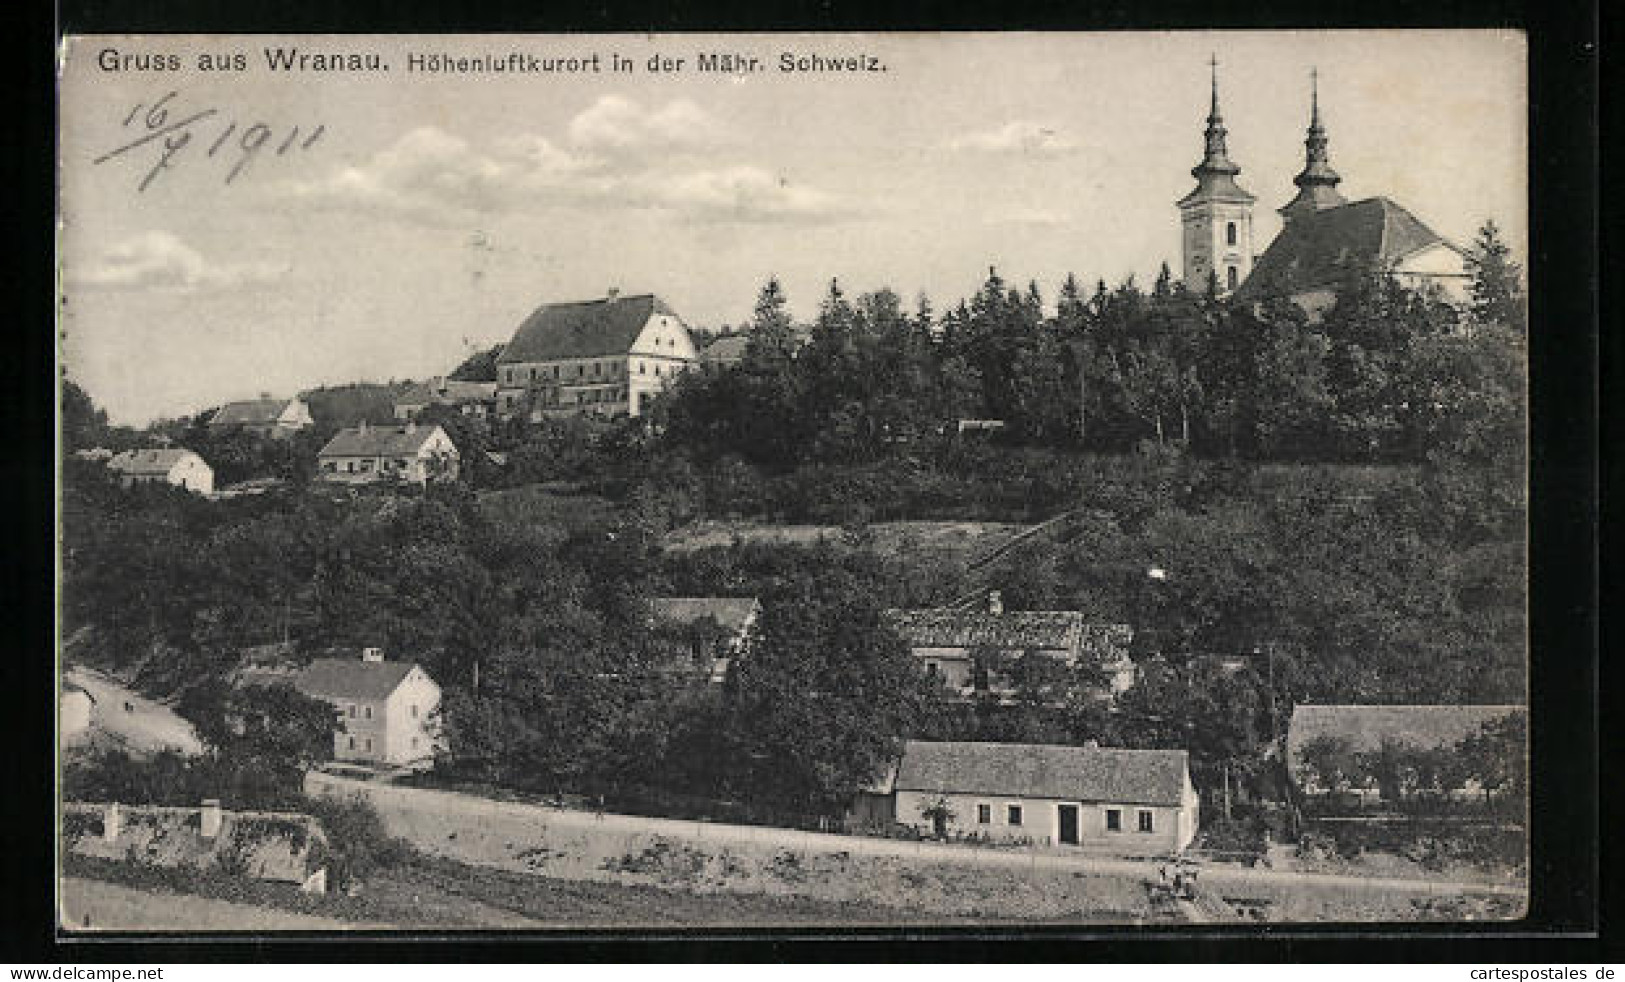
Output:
(1215, 175)
(1317, 182)
(1218, 214)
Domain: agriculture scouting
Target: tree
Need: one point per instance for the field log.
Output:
(1497, 282)
(83, 423)
(1330, 763)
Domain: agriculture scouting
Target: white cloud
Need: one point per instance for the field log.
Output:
(1016, 136)
(745, 193)
(615, 155)
(618, 125)
(160, 261)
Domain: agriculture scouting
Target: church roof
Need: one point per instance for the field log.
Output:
(588, 329)
(1318, 249)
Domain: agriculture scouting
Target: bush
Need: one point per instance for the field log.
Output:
(358, 843)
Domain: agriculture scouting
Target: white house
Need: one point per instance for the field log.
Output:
(962, 647)
(1127, 802)
(265, 416)
(603, 357)
(182, 468)
(366, 453)
(386, 709)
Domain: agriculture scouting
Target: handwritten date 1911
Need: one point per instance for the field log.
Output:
(237, 147)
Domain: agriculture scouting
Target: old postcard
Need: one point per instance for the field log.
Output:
(532, 482)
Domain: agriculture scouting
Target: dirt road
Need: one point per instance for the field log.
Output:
(581, 845)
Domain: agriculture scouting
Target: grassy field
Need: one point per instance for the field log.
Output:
(432, 892)
(960, 541)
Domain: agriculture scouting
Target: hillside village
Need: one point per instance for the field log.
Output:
(1224, 575)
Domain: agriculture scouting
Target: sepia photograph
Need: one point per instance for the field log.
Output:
(606, 482)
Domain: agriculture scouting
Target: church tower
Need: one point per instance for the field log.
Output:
(1317, 182)
(1218, 215)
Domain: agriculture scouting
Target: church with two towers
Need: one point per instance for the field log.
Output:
(1324, 237)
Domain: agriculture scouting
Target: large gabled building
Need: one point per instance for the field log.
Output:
(605, 357)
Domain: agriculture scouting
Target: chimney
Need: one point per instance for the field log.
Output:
(209, 818)
(1091, 744)
(112, 820)
(372, 654)
(612, 293)
(439, 384)
(362, 429)
(411, 426)
(995, 602)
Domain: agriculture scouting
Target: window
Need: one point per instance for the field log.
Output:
(657, 370)
(414, 743)
(581, 370)
(1114, 820)
(369, 744)
(351, 710)
(1230, 233)
(597, 368)
(984, 814)
(1231, 278)
(367, 712)
(352, 743)
(1146, 822)
(329, 466)
(533, 374)
(366, 465)
(642, 368)
(414, 712)
(1013, 814)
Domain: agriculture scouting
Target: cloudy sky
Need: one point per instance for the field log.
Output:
(432, 212)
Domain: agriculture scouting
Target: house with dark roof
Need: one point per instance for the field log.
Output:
(711, 632)
(409, 453)
(1128, 802)
(1355, 731)
(729, 349)
(168, 465)
(264, 416)
(1325, 239)
(386, 709)
(468, 398)
(604, 357)
(971, 650)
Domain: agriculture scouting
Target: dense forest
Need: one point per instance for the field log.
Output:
(1341, 503)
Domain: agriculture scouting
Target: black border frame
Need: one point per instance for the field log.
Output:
(1568, 893)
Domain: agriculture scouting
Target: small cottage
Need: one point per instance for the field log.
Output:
(265, 416)
(386, 710)
(1339, 738)
(1128, 802)
(469, 398)
(964, 648)
(367, 454)
(171, 465)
